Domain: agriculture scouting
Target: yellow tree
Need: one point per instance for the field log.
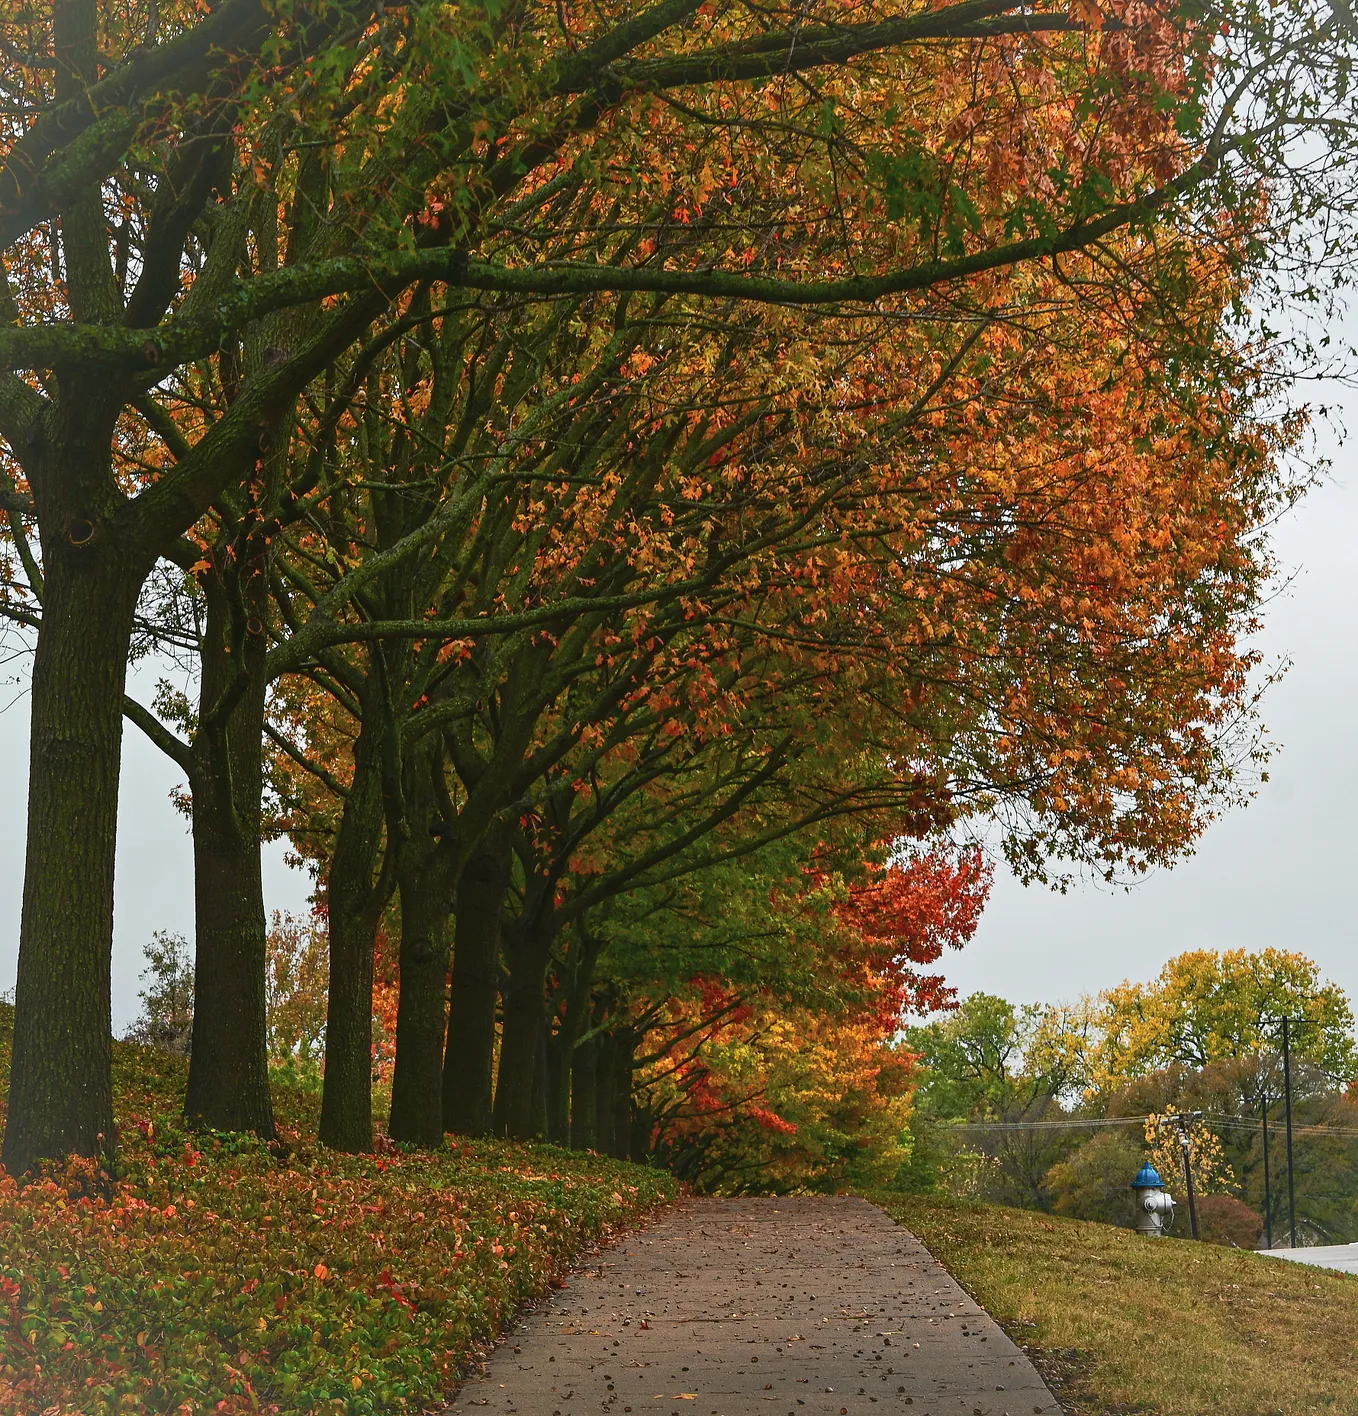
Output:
(1204, 1007)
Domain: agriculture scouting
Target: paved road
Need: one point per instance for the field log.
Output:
(1343, 1257)
(763, 1307)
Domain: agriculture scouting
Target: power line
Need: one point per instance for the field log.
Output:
(1074, 1123)
(1216, 1122)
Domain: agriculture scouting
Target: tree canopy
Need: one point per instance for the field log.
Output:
(575, 449)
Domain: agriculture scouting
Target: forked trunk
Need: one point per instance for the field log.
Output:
(60, 1096)
(565, 1046)
(520, 1090)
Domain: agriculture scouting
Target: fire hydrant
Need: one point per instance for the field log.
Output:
(1154, 1204)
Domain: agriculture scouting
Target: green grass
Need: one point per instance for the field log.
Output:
(213, 1275)
(1123, 1324)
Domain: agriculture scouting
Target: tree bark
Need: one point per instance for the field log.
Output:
(355, 897)
(417, 1083)
(425, 881)
(605, 1111)
(469, 1061)
(61, 1094)
(622, 1097)
(520, 1091)
(559, 1068)
(584, 1086)
(228, 1086)
(564, 1044)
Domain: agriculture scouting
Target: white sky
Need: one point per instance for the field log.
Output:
(1280, 873)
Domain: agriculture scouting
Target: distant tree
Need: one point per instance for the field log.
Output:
(1094, 1182)
(987, 1090)
(984, 1059)
(298, 970)
(1224, 1219)
(1207, 1007)
(166, 1019)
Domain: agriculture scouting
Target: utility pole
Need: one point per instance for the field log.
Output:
(1268, 1188)
(1287, 1094)
(1184, 1122)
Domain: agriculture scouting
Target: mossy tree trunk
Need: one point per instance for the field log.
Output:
(60, 1095)
(425, 880)
(356, 892)
(228, 1087)
(469, 1057)
(520, 1089)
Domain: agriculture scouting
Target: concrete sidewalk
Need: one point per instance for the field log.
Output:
(764, 1307)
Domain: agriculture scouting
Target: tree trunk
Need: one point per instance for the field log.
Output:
(469, 1061)
(559, 1070)
(61, 1095)
(538, 1123)
(514, 1091)
(520, 1092)
(575, 1020)
(622, 1098)
(417, 1084)
(605, 1111)
(355, 898)
(228, 1085)
(584, 1086)
(425, 881)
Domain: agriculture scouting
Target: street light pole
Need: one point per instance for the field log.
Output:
(1287, 1094)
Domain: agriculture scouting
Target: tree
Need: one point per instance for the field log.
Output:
(790, 1076)
(987, 1088)
(1207, 1007)
(1094, 1182)
(298, 968)
(166, 1018)
(247, 194)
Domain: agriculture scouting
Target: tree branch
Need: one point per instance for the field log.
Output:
(178, 341)
(175, 749)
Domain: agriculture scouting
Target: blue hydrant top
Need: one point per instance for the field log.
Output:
(1148, 1178)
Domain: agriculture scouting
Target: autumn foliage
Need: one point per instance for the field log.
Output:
(216, 1273)
(632, 489)
(807, 1085)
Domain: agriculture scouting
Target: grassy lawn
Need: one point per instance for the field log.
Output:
(1124, 1324)
(212, 1275)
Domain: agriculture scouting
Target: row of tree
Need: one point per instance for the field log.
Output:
(1057, 1107)
(599, 466)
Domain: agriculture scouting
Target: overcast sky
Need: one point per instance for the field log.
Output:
(1281, 872)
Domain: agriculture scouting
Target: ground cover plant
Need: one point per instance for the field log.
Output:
(1164, 1327)
(217, 1273)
